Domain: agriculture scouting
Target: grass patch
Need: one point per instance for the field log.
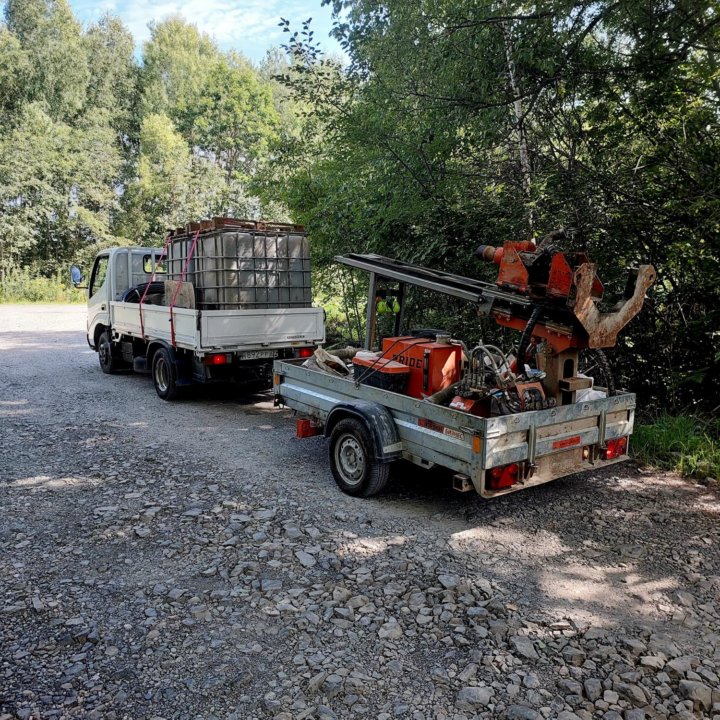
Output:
(689, 445)
(22, 287)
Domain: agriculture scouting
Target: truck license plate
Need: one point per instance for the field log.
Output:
(258, 354)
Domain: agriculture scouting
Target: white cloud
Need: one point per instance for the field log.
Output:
(230, 23)
(89, 11)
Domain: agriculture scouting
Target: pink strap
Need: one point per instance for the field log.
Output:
(152, 279)
(177, 289)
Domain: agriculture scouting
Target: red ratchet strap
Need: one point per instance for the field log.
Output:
(179, 285)
(152, 280)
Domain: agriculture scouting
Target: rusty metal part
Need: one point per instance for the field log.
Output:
(531, 395)
(226, 223)
(513, 272)
(558, 336)
(603, 328)
(490, 253)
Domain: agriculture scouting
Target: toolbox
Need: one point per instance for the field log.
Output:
(381, 373)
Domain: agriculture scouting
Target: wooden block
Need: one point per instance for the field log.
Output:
(573, 384)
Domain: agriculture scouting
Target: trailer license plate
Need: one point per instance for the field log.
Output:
(258, 354)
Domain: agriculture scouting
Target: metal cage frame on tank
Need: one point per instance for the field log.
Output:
(245, 265)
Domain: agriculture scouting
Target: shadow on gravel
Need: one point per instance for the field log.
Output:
(611, 547)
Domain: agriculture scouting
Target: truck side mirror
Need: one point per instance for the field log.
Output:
(76, 276)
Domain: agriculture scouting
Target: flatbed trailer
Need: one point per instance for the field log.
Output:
(369, 428)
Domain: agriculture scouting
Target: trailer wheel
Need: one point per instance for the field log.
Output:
(164, 374)
(109, 362)
(352, 460)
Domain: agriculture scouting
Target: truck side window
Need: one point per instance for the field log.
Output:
(99, 274)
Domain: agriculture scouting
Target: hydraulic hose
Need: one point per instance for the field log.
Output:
(525, 339)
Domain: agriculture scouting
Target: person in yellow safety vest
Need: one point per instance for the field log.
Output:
(386, 308)
(385, 305)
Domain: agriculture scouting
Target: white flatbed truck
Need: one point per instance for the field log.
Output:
(179, 346)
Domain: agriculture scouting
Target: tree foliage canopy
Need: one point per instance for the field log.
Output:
(449, 123)
(458, 122)
(96, 148)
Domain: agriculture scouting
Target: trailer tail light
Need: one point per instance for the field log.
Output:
(615, 448)
(502, 477)
(218, 359)
(305, 428)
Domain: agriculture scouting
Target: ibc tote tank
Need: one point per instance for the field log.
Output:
(241, 264)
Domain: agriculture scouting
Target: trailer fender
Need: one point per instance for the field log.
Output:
(379, 422)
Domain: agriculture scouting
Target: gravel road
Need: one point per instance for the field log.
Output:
(195, 560)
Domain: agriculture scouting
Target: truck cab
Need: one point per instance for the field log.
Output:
(114, 272)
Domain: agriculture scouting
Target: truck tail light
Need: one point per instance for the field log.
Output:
(305, 352)
(615, 448)
(502, 477)
(218, 359)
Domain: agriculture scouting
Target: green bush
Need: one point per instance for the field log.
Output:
(22, 287)
(684, 443)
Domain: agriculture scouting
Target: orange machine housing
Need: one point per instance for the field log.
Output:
(433, 366)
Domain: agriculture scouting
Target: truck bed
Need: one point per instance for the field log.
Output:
(551, 441)
(208, 330)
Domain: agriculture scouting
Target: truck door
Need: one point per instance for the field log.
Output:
(98, 302)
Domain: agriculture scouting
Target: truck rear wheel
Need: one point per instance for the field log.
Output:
(164, 374)
(110, 363)
(352, 460)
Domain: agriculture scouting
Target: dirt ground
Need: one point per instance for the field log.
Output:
(195, 560)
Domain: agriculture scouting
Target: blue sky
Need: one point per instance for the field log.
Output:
(250, 26)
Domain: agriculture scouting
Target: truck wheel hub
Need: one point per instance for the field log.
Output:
(161, 375)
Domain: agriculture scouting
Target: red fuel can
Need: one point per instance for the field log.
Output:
(433, 366)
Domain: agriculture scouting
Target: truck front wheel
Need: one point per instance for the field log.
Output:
(352, 460)
(164, 373)
(109, 362)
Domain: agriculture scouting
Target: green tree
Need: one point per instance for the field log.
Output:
(29, 195)
(171, 185)
(458, 122)
(177, 60)
(57, 189)
(52, 39)
(113, 82)
(235, 120)
(15, 73)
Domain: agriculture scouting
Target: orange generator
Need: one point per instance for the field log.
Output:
(433, 365)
